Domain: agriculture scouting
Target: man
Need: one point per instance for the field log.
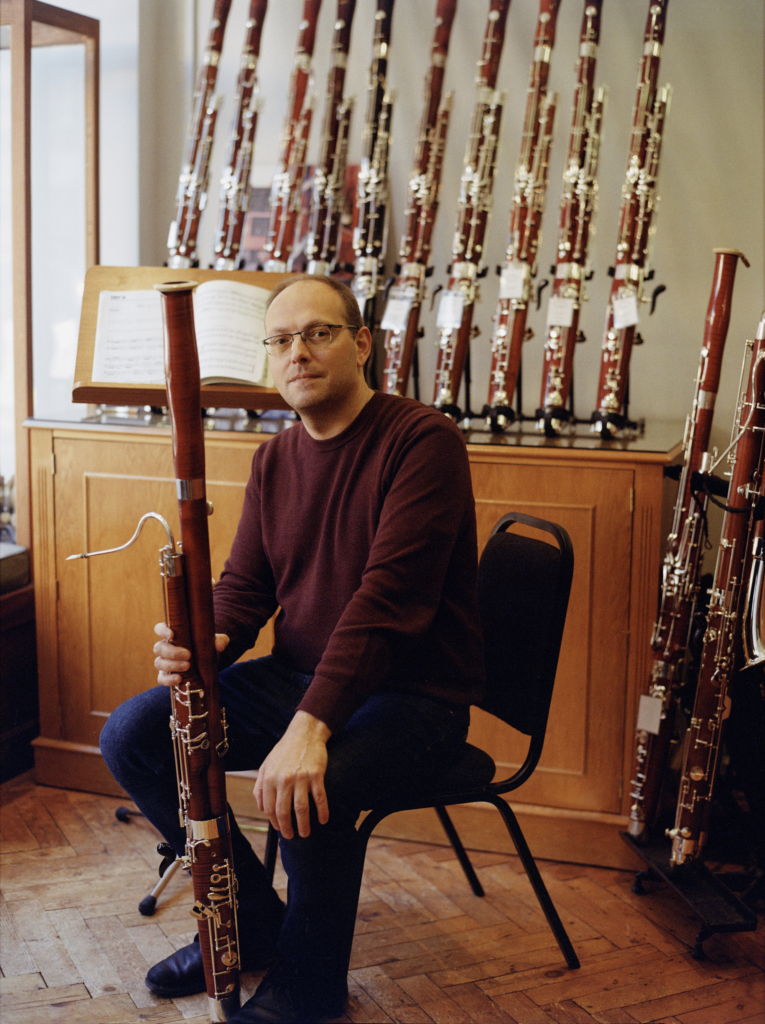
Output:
(359, 526)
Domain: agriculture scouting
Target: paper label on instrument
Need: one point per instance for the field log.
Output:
(625, 312)
(396, 313)
(450, 310)
(560, 311)
(649, 714)
(512, 282)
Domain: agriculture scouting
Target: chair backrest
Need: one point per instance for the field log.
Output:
(523, 590)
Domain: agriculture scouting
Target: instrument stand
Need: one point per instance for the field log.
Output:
(609, 430)
(169, 865)
(704, 892)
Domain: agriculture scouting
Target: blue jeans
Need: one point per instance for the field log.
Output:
(394, 743)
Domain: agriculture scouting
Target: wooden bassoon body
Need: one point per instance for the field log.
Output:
(328, 185)
(370, 229)
(235, 181)
(287, 186)
(529, 191)
(401, 319)
(197, 721)
(195, 169)
(577, 212)
(636, 230)
(457, 302)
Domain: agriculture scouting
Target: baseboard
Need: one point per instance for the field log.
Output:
(73, 766)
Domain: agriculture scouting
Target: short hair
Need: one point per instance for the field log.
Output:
(353, 316)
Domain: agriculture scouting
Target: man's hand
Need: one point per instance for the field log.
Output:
(292, 773)
(171, 660)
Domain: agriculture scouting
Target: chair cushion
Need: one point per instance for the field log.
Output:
(473, 769)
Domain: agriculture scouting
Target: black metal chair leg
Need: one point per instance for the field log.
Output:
(459, 849)
(529, 864)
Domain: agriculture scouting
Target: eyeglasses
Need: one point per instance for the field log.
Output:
(318, 336)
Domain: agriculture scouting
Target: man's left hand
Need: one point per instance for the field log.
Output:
(293, 773)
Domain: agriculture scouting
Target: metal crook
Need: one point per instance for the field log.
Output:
(133, 539)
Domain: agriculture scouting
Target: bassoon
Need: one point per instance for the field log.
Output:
(455, 311)
(371, 215)
(402, 312)
(577, 211)
(530, 187)
(328, 185)
(636, 228)
(722, 652)
(235, 181)
(195, 169)
(287, 186)
(197, 721)
(682, 565)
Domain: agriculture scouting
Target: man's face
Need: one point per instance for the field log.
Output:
(314, 379)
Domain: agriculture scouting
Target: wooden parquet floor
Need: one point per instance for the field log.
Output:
(74, 949)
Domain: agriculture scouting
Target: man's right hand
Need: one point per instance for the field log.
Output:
(171, 660)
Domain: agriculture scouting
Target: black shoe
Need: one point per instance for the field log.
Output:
(278, 1001)
(182, 973)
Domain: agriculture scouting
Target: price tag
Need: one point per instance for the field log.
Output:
(396, 315)
(450, 310)
(625, 312)
(560, 312)
(649, 714)
(512, 281)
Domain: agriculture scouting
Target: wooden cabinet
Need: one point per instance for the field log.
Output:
(94, 617)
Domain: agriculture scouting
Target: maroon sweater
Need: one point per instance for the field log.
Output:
(366, 542)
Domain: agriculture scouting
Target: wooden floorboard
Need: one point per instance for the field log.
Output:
(74, 948)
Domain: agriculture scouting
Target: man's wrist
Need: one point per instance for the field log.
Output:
(313, 725)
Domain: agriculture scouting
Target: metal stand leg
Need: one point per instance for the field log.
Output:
(148, 904)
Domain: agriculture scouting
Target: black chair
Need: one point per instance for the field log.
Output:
(523, 590)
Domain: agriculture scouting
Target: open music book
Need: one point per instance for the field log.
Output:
(228, 322)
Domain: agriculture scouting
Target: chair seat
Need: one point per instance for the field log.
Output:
(473, 769)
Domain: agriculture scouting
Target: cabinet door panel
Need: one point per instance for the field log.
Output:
(581, 762)
(108, 605)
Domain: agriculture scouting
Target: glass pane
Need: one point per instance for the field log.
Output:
(7, 450)
(58, 224)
